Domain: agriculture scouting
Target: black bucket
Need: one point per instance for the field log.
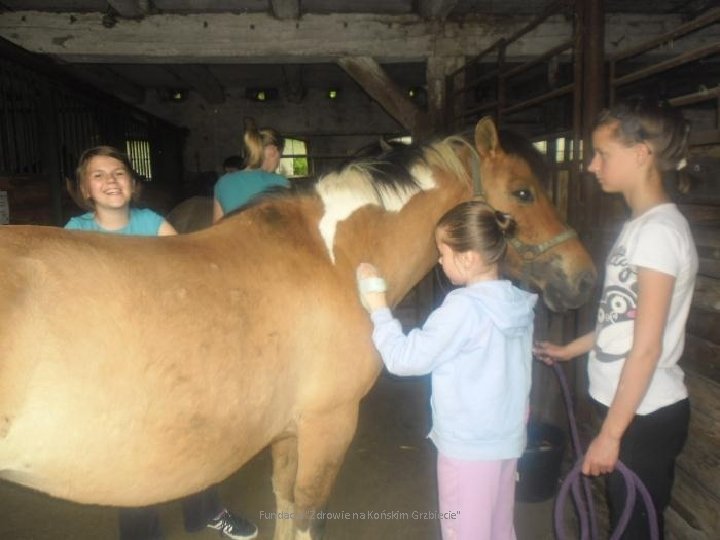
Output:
(539, 467)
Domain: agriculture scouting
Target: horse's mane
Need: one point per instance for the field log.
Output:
(391, 178)
(518, 145)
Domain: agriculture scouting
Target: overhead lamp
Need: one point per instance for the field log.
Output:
(261, 94)
(333, 93)
(418, 94)
(172, 95)
(177, 95)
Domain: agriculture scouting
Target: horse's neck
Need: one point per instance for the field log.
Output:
(401, 245)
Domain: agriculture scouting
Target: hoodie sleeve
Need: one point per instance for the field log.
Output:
(422, 350)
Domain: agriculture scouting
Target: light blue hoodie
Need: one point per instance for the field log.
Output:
(478, 347)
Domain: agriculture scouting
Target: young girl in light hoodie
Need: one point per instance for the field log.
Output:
(478, 347)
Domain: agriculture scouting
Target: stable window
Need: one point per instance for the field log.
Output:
(541, 146)
(295, 162)
(138, 151)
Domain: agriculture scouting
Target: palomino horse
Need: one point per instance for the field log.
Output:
(138, 370)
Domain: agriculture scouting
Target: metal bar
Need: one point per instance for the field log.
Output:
(685, 58)
(500, 83)
(575, 188)
(539, 99)
(473, 110)
(475, 82)
(538, 60)
(704, 20)
(448, 105)
(477, 58)
(549, 11)
(697, 97)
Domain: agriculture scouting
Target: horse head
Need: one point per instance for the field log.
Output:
(545, 252)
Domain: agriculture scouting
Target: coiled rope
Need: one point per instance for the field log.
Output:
(585, 508)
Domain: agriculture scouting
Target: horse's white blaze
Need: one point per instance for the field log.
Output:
(345, 192)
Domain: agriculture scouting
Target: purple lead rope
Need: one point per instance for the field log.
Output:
(575, 478)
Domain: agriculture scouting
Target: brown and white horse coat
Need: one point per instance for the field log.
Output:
(138, 370)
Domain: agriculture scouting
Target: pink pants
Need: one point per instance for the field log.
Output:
(480, 495)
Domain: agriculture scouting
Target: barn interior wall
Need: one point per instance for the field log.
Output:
(333, 129)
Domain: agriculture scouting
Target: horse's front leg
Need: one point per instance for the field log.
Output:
(284, 458)
(323, 439)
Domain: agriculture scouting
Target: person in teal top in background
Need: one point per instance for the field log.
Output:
(141, 222)
(106, 185)
(263, 150)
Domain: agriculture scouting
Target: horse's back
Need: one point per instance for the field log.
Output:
(192, 214)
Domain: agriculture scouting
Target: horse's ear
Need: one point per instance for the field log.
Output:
(486, 137)
(384, 145)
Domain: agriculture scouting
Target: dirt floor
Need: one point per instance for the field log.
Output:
(386, 488)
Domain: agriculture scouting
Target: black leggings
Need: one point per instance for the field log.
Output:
(649, 448)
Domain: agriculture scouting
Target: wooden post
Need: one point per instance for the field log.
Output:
(592, 21)
(438, 70)
(50, 152)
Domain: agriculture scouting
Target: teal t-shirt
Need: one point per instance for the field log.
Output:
(238, 188)
(143, 222)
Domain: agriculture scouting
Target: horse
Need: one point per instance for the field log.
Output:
(136, 370)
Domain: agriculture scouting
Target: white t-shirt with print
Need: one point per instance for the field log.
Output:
(660, 240)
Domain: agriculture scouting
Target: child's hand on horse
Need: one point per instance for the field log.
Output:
(371, 286)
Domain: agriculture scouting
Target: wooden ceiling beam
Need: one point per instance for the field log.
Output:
(286, 9)
(233, 38)
(378, 85)
(238, 38)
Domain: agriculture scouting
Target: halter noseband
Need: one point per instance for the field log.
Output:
(528, 252)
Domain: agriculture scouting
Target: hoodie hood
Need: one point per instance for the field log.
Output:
(509, 308)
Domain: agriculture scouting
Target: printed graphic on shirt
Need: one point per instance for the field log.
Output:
(618, 308)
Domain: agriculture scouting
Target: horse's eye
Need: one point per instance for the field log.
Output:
(524, 195)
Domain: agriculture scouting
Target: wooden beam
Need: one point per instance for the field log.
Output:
(286, 9)
(201, 79)
(234, 38)
(131, 9)
(376, 82)
(436, 9)
(238, 38)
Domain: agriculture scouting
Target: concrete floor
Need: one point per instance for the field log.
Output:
(390, 467)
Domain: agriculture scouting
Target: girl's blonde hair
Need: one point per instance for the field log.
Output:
(476, 226)
(255, 140)
(78, 188)
(657, 124)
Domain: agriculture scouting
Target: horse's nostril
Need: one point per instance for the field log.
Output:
(586, 282)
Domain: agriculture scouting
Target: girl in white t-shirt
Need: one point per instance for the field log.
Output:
(640, 333)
